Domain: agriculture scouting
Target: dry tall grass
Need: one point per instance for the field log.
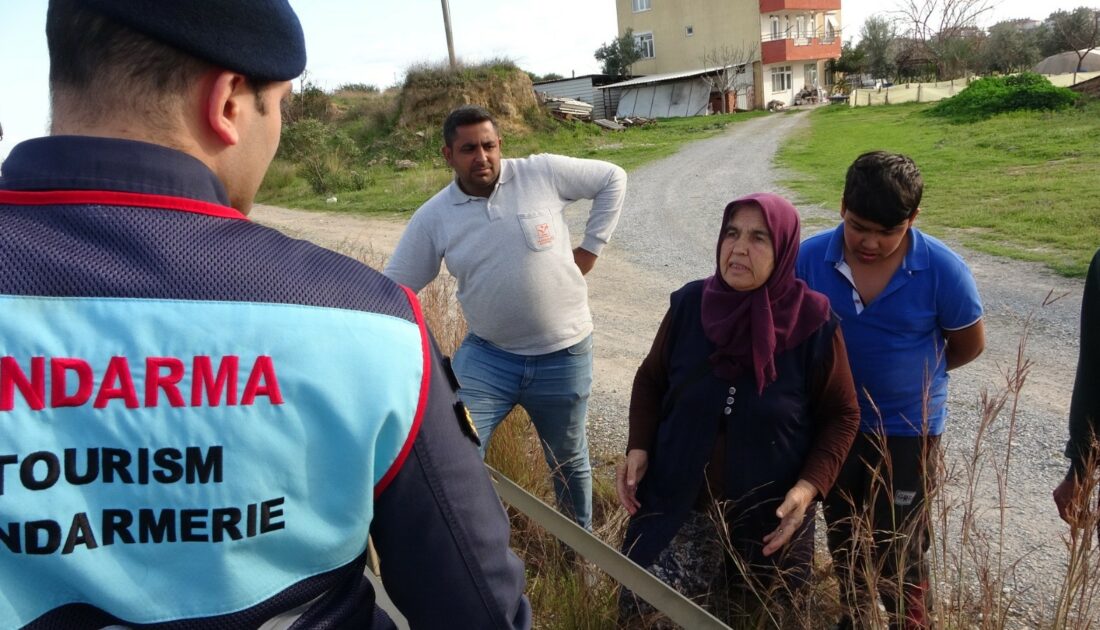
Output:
(971, 572)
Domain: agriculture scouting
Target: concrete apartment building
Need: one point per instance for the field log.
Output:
(792, 39)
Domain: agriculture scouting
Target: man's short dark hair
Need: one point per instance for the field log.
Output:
(122, 70)
(883, 187)
(462, 116)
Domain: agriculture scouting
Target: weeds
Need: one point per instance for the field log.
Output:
(440, 75)
(1079, 592)
(564, 591)
(971, 571)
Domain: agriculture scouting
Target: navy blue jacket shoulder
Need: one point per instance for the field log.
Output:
(97, 228)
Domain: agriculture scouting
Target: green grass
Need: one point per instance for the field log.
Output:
(388, 190)
(1023, 185)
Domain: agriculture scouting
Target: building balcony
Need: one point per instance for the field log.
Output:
(798, 49)
(771, 6)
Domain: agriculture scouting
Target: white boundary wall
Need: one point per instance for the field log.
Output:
(930, 92)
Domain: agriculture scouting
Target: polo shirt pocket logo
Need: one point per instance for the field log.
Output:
(538, 229)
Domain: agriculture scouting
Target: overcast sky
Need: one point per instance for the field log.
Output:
(373, 41)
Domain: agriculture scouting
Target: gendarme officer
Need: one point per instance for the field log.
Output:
(203, 420)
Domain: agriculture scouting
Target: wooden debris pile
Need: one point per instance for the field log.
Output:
(567, 108)
(635, 121)
(620, 124)
(610, 125)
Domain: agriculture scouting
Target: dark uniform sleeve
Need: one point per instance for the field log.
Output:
(835, 410)
(648, 392)
(1084, 408)
(441, 533)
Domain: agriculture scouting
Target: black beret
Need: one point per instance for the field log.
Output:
(261, 39)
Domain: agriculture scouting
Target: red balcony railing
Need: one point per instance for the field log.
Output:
(799, 49)
(771, 6)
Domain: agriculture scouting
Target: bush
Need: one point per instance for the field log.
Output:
(441, 75)
(990, 96)
(280, 178)
(323, 153)
(309, 102)
(368, 88)
(368, 117)
(311, 138)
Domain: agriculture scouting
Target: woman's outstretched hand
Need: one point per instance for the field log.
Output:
(628, 476)
(790, 513)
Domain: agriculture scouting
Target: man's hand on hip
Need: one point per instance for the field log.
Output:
(585, 259)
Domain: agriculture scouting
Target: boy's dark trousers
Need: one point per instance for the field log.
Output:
(878, 527)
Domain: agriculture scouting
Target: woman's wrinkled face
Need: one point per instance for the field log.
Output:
(746, 258)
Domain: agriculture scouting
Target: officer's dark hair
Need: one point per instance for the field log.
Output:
(100, 68)
(462, 116)
(883, 187)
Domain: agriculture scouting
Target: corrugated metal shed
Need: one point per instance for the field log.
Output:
(687, 97)
(669, 95)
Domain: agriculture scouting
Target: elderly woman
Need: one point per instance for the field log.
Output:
(740, 418)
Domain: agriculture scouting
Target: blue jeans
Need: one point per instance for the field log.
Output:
(553, 388)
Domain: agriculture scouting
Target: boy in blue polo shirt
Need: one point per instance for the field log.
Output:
(910, 311)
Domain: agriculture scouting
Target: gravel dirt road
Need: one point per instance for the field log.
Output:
(666, 237)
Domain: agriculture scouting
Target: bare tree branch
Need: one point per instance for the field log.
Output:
(730, 66)
(939, 26)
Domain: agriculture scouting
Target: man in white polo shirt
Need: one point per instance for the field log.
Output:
(501, 229)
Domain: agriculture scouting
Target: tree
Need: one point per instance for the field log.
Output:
(959, 55)
(619, 55)
(1009, 48)
(877, 40)
(944, 30)
(914, 62)
(1077, 30)
(729, 66)
(852, 61)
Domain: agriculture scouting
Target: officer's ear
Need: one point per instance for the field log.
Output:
(225, 98)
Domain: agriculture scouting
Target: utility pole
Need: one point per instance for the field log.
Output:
(450, 38)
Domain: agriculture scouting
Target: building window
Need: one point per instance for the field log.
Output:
(800, 27)
(644, 43)
(642, 5)
(690, 30)
(830, 29)
(810, 74)
(775, 27)
(781, 79)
